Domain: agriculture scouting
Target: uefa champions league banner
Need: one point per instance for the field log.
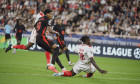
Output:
(98, 49)
(104, 50)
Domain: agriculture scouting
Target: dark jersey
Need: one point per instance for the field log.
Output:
(41, 26)
(61, 30)
(19, 29)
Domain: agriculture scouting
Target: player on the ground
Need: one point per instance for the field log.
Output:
(32, 38)
(41, 26)
(7, 30)
(60, 39)
(85, 63)
(19, 29)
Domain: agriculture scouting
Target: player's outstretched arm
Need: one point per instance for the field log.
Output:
(52, 31)
(68, 34)
(96, 66)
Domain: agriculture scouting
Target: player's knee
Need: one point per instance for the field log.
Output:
(67, 73)
(89, 74)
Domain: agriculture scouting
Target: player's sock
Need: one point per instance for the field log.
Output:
(67, 54)
(55, 55)
(4, 44)
(59, 63)
(48, 57)
(18, 43)
(64, 69)
(19, 47)
(89, 74)
(67, 73)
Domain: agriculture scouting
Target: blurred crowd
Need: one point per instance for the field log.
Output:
(108, 17)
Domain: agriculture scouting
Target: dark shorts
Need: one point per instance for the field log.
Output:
(18, 37)
(44, 43)
(7, 36)
(61, 44)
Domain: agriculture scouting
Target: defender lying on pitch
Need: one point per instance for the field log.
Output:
(86, 62)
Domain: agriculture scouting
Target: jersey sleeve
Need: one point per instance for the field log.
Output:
(37, 17)
(90, 52)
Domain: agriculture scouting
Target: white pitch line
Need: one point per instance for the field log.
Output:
(25, 74)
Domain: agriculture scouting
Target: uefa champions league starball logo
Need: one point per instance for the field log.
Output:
(137, 53)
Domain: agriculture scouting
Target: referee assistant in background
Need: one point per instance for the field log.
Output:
(7, 30)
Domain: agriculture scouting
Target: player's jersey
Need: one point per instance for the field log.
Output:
(7, 29)
(33, 33)
(41, 26)
(19, 29)
(85, 52)
(61, 30)
(39, 15)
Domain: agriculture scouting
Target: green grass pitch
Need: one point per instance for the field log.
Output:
(29, 67)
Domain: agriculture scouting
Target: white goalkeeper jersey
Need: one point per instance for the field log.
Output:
(85, 52)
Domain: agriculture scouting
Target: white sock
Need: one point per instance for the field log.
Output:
(69, 62)
(11, 46)
(48, 64)
(64, 68)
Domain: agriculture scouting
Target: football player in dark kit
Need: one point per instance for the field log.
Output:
(19, 29)
(60, 39)
(41, 26)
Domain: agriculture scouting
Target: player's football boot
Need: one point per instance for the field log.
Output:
(70, 63)
(87, 76)
(14, 51)
(52, 68)
(8, 48)
(58, 74)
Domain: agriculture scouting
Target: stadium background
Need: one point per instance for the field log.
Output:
(109, 23)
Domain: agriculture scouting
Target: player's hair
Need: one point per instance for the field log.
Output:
(47, 11)
(84, 39)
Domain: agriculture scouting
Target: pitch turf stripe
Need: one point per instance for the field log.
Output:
(122, 73)
(134, 79)
(24, 74)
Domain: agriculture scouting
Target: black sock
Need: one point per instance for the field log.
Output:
(18, 43)
(67, 54)
(55, 55)
(59, 63)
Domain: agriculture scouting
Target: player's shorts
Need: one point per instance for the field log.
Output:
(88, 68)
(33, 36)
(61, 44)
(44, 43)
(18, 37)
(7, 36)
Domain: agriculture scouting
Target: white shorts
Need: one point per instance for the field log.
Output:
(88, 68)
(33, 36)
